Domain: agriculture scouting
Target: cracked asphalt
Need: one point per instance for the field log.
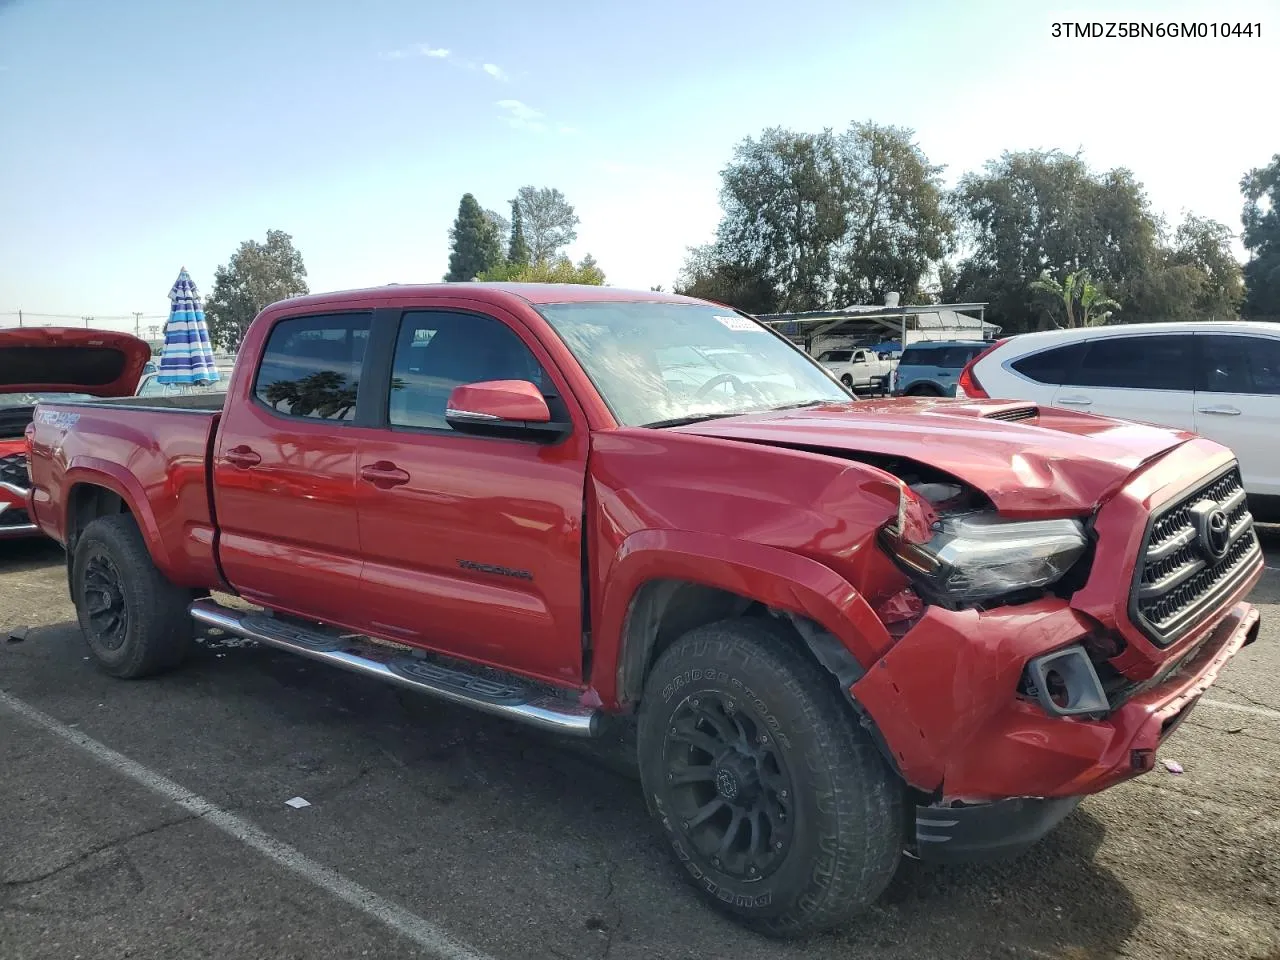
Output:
(521, 845)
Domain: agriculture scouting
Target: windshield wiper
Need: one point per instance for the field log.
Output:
(701, 417)
(694, 418)
(805, 403)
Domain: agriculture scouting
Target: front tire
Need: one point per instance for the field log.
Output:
(134, 621)
(773, 798)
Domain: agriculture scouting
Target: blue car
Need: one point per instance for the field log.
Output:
(931, 368)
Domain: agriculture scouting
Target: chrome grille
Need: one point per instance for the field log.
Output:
(1179, 579)
(13, 470)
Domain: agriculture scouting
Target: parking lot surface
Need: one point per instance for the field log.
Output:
(149, 819)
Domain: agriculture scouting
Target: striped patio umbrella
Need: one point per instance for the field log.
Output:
(188, 352)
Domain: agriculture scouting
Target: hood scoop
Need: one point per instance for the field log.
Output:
(1013, 414)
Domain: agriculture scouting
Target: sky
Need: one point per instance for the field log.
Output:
(141, 136)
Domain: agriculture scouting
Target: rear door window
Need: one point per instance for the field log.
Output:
(956, 357)
(1138, 363)
(1056, 366)
(918, 357)
(311, 366)
(1248, 365)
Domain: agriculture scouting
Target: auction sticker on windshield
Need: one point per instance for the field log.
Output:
(740, 324)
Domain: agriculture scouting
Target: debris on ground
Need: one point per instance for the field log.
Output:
(297, 803)
(1173, 766)
(17, 635)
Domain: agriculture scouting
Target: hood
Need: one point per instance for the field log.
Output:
(101, 363)
(1029, 461)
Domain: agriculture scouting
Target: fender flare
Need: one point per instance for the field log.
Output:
(96, 472)
(777, 578)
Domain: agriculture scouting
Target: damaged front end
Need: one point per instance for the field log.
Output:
(958, 555)
(1018, 687)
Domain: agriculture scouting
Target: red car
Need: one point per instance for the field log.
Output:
(47, 364)
(844, 630)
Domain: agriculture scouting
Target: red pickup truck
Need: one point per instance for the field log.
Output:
(844, 631)
(48, 364)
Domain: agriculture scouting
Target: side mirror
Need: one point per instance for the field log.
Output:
(512, 408)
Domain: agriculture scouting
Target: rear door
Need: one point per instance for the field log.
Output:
(1238, 403)
(948, 362)
(472, 544)
(1146, 378)
(285, 466)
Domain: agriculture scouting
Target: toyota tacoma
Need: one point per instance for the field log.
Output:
(842, 632)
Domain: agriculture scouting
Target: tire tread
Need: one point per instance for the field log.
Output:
(160, 628)
(868, 796)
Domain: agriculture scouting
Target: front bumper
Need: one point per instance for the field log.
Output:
(987, 831)
(1021, 772)
(15, 520)
(945, 703)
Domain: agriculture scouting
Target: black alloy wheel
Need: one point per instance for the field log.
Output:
(728, 785)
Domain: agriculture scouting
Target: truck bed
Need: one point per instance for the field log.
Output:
(151, 452)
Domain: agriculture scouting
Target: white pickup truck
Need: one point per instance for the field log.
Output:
(857, 368)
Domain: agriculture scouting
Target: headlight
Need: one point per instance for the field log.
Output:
(979, 556)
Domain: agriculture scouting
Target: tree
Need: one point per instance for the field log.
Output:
(501, 225)
(548, 220)
(518, 248)
(784, 211)
(1033, 211)
(709, 275)
(474, 239)
(1261, 218)
(899, 225)
(559, 270)
(1079, 296)
(816, 220)
(1195, 277)
(257, 275)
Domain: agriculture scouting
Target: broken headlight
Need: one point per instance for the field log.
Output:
(980, 556)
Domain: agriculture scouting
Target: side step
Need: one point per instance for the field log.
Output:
(490, 691)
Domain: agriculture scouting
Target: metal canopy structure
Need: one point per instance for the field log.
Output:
(935, 321)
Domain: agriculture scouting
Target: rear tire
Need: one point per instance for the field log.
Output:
(134, 621)
(774, 799)
(924, 392)
(847, 381)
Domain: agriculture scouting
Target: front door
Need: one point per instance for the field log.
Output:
(285, 466)
(1145, 378)
(473, 545)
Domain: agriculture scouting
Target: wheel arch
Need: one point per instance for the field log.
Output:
(664, 584)
(924, 387)
(97, 488)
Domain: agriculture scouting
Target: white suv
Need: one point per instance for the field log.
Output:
(1217, 379)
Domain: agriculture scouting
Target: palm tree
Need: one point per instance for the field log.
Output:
(1084, 301)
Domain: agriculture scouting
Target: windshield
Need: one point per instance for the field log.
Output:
(31, 399)
(658, 363)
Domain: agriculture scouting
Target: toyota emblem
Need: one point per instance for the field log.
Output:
(1213, 529)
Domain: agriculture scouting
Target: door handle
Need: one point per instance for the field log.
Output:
(242, 457)
(1219, 411)
(1076, 401)
(383, 474)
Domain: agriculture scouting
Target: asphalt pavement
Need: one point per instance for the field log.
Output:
(149, 819)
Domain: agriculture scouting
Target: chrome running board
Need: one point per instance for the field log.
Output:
(489, 691)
